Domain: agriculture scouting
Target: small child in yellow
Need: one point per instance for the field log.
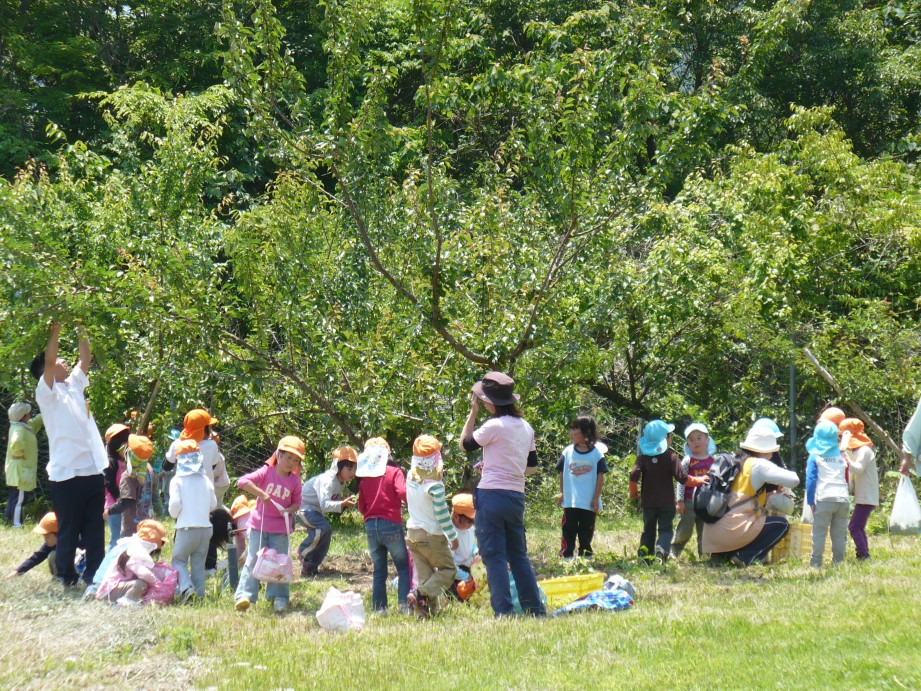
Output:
(430, 534)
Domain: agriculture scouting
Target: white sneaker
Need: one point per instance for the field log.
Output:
(279, 605)
(127, 602)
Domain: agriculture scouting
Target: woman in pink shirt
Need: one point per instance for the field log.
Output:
(509, 454)
(277, 488)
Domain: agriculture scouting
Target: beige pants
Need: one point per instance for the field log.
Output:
(434, 563)
(133, 590)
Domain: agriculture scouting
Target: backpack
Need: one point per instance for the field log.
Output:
(711, 501)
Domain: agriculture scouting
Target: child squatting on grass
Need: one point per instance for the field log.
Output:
(48, 529)
(582, 468)
(131, 574)
(277, 488)
(656, 468)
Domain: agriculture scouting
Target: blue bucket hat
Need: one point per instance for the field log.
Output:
(769, 424)
(699, 427)
(824, 439)
(653, 442)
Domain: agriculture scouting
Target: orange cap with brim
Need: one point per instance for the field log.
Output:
(48, 525)
(463, 504)
(140, 446)
(833, 414)
(114, 430)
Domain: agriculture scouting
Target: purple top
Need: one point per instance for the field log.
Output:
(284, 490)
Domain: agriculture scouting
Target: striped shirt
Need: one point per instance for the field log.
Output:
(428, 509)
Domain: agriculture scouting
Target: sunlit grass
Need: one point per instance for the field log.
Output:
(693, 626)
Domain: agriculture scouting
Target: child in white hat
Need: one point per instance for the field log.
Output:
(21, 459)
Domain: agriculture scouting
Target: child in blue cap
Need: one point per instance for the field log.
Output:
(827, 492)
(656, 468)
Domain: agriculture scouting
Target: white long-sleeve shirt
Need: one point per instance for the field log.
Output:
(191, 500)
(911, 437)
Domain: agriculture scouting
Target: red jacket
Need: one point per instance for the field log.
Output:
(382, 497)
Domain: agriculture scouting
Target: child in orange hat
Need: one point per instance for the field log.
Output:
(131, 574)
(277, 487)
(138, 452)
(430, 534)
(857, 449)
(48, 529)
(463, 516)
(324, 493)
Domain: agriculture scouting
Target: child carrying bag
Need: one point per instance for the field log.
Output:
(272, 566)
(906, 511)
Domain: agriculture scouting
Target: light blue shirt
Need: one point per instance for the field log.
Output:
(580, 475)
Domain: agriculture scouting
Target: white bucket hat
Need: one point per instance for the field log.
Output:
(760, 440)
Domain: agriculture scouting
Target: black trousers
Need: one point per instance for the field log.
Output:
(577, 523)
(661, 519)
(78, 504)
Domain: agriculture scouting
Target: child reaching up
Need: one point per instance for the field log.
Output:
(698, 457)
(430, 533)
(826, 492)
(582, 468)
(864, 480)
(277, 487)
(656, 469)
(130, 575)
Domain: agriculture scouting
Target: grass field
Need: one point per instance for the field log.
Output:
(693, 626)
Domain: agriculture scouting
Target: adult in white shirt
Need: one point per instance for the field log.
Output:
(77, 456)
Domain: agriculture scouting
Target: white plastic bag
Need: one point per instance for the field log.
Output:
(906, 511)
(806, 517)
(341, 611)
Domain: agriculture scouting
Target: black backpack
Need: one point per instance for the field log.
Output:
(711, 501)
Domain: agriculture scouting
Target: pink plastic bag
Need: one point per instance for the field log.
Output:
(272, 567)
(162, 591)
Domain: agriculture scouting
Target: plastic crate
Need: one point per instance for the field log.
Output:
(561, 591)
(797, 544)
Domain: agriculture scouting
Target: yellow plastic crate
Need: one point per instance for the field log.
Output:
(561, 591)
(797, 544)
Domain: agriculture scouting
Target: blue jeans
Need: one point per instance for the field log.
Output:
(248, 586)
(501, 538)
(313, 549)
(115, 529)
(386, 537)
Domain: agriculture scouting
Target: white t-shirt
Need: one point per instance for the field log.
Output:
(209, 454)
(506, 442)
(74, 441)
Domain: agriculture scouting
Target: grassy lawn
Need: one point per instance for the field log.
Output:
(693, 626)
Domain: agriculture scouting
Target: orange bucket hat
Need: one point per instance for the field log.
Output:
(241, 506)
(832, 414)
(193, 426)
(345, 453)
(152, 531)
(115, 430)
(48, 525)
(858, 436)
(140, 446)
(463, 504)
